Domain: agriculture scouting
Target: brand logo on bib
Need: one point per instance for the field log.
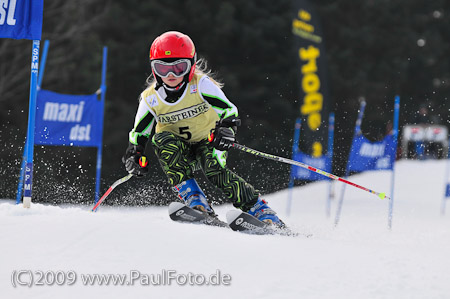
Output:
(152, 101)
(186, 113)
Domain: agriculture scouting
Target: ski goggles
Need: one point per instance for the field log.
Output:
(177, 68)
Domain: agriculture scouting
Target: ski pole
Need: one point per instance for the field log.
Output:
(116, 183)
(142, 162)
(243, 148)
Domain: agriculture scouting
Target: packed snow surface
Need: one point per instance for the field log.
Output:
(359, 258)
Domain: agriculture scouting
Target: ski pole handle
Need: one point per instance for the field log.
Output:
(243, 148)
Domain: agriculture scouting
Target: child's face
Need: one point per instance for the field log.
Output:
(172, 81)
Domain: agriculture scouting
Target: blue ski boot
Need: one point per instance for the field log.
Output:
(263, 213)
(189, 191)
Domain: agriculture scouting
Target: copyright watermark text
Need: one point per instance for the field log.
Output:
(31, 278)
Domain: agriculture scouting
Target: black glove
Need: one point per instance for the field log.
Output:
(223, 136)
(135, 161)
(229, 122)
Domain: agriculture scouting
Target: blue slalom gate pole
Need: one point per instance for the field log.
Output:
(24, 158)
(330, 156)
(43, 62)
(446, 182)
(395, 133)
(100, 146)
(347, 171)
(22, 174)
(28, 176)
(298, 125)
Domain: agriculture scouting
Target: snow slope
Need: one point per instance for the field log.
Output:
(360, 258)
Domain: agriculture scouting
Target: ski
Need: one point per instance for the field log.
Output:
(246, 223)
(182, 213)
(237, 221)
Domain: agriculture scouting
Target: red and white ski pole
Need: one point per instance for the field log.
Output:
(116, 183)
(243, 148)
(142, 162)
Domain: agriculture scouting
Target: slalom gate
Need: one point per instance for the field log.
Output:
(65, 120)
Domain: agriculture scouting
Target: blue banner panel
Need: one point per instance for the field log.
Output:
(447, 191)
(73, 120)
(367, 155)
(300, 173)
(21, 19)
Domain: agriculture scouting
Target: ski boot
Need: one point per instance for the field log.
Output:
(193, 197)
(265, 214)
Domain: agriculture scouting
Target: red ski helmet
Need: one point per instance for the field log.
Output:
(172, 45)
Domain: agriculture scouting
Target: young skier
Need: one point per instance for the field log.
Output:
(186, 104)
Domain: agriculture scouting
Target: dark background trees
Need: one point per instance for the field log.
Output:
(375, 49)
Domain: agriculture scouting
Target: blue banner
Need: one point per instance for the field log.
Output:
(21, 19)
(73, 120)
(447, 191)
(367, 155)
(322, 163)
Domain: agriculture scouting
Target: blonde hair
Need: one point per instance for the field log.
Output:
(201, 69)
